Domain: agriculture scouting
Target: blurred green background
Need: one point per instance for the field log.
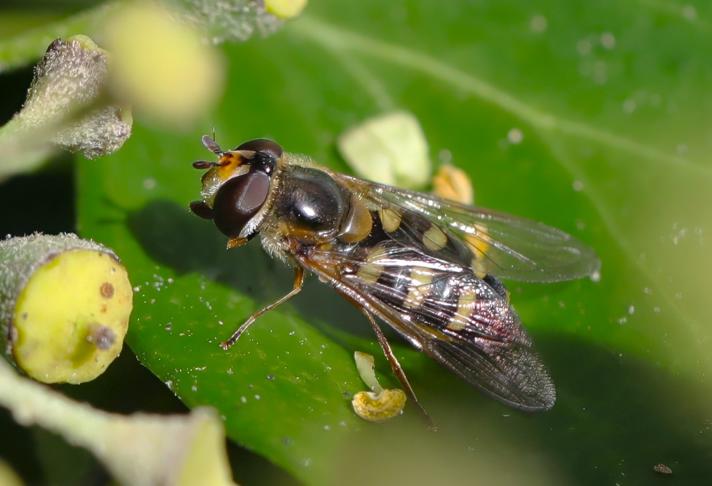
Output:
(590, 116)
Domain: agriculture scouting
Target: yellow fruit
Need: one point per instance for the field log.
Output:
(68, 311)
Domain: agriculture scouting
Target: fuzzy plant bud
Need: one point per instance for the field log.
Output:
(236, 20)
(71, 75)
(66, 108)
(390, 149)
(64, 306)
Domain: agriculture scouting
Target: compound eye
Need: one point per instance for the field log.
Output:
(238, 200)
(263, 145)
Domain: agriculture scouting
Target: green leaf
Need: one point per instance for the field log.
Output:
(593, 117)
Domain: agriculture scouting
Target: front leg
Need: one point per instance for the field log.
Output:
(296, 288)
(236, 243)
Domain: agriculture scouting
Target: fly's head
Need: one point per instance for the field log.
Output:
(237, 186)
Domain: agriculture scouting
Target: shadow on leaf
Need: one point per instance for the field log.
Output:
(174, 237)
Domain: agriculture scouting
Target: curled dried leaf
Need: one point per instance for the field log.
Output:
(390, 149)
(379, 404)
(377, 407)
(452, 183)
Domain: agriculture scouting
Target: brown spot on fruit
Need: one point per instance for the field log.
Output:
(107, 290)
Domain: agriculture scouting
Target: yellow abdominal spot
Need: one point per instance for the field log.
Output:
(371, 269)
(419, 289)
(465, 306)
(390, 219)
(479, 245)
(478, 268)
(434, 239)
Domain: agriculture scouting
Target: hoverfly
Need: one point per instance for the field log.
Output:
(428, 267)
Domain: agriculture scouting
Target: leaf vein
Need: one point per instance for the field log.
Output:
(345, 40)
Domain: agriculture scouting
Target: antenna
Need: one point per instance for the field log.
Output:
(211, 144)
(203, 164)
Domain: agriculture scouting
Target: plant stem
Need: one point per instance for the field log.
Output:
(17, 157)
(138, 449)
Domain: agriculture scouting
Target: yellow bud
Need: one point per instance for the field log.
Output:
(160, 65)
(285, 9)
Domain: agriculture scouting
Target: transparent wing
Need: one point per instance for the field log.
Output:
(513, 374)
(508, 247)
(442, 308)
